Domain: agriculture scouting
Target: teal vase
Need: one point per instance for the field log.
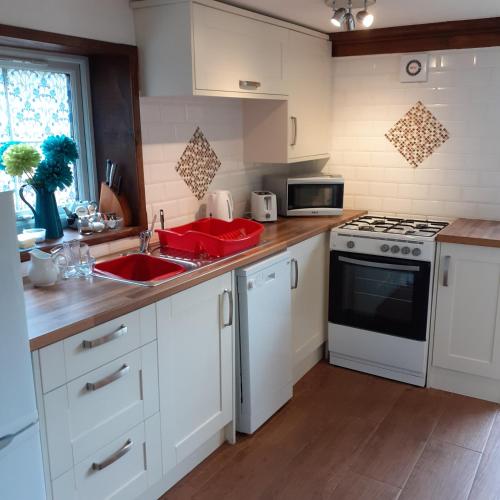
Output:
(46, 212)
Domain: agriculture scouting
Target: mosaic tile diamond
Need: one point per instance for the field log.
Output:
(418, 134)
(198, 164)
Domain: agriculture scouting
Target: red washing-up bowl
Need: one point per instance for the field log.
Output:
(212, 237)
(139, 268)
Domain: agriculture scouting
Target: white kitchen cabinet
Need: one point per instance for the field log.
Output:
(467, 324)
(309, 301)
(121, 470)
(209, 48)
(195, 349)
(297, 129)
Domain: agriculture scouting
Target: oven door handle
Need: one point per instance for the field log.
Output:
(392, 267)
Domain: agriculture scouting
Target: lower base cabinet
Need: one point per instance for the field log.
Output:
(195, 354)
(122, 470)
(310, 263)
(466, 354)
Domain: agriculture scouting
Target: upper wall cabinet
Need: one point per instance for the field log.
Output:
(297, 129)
(209, 48)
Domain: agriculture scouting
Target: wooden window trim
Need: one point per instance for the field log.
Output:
(449, 35)
(115, 110)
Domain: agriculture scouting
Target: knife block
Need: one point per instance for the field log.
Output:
(110, 202)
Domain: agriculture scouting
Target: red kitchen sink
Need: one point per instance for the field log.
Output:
(140, 269)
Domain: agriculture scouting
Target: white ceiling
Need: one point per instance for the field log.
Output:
(315, 14)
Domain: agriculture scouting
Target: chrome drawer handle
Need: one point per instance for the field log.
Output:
(249, 84)
(108, 380)
(90, 344)
(230, 296)
(114, 457)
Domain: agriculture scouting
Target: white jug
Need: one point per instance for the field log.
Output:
(44, 268)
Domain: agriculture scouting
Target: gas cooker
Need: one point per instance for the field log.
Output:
(411, 238)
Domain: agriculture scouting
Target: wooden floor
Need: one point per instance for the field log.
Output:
(351, 436)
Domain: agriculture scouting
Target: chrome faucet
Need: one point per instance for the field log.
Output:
(145, 237)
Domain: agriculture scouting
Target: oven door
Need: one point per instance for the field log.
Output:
(379, 294)
(315, 198)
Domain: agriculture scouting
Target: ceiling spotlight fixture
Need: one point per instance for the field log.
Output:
(364, 17)
(338, 17)
(342, 13)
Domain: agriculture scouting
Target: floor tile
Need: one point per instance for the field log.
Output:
(444, 471)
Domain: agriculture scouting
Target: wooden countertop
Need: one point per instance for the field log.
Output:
(485, 233)
(73, 306)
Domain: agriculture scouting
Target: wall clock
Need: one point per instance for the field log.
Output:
(414, 68)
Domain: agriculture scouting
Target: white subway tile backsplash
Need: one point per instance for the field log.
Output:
(462, 179)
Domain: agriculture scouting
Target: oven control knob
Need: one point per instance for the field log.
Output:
(416, 252)
(384, 248)
(405, 250)
(395, 249)
(350, 244)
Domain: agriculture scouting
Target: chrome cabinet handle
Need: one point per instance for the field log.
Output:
(114, 457)
(90, 344)
(446, 270)
(108, 380)
(296, 272)
(294, 123)
(230, 296)
(249, 84)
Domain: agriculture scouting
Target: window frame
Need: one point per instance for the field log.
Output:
(78, 69)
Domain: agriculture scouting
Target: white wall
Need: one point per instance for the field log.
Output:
(109, 20)
(167, 126)
(463, 177)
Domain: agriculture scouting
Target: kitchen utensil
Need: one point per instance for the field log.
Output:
(112, 175)
(45, 268)
(108, 170)
(213, 237)
(264, 206)
(77, 258)
(162, 219)
(111, 202)
(220, 205)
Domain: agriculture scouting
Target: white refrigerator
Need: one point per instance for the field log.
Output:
(21, 474)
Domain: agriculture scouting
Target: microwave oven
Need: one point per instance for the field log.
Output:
(308, 195)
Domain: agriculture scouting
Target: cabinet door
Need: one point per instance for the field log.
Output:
(309, 295)
(195, 350)
(231, 49)
(309, 75)
(467, 328)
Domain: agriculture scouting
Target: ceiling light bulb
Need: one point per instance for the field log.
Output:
(338, 17)
(365, 18)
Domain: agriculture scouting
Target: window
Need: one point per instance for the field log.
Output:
(43, 95)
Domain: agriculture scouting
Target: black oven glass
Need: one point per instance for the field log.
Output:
(379, 294)
(315, 196)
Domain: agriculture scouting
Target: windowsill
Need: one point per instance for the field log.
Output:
(91, 239)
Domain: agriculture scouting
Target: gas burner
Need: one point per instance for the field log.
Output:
(416, 228)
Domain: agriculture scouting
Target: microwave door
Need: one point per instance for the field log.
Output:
(315, 198)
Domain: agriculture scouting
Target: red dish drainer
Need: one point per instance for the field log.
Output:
(213, 237)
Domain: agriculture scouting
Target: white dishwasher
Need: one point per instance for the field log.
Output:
(264, 364)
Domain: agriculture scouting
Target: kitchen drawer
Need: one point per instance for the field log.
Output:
(90, 411)
(121, 470)
(79, 354)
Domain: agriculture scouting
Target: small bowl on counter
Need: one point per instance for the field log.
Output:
(38, 233)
